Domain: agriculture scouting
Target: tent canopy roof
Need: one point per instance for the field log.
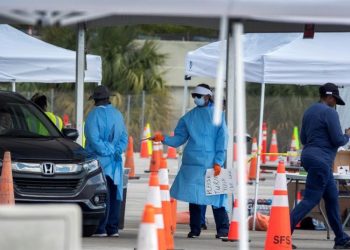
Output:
(283, 58)
(24, 58)
(190, 12)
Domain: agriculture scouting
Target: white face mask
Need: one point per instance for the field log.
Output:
(199, 101)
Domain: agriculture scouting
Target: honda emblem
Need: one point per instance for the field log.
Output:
(48, 168)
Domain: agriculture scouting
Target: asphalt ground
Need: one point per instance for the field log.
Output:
(136, 197)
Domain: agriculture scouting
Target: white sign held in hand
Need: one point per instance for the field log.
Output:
(221, 184)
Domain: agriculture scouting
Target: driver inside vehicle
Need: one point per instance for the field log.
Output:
(5, 121)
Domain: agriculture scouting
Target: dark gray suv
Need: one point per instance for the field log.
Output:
(48, 166)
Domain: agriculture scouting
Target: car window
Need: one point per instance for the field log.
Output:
(24, 120)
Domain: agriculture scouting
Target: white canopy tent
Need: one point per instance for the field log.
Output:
(282, 58)
(24, 58)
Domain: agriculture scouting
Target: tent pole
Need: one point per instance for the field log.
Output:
(230, 94)
(184, 107)
(13, 86)
(79, 85)
(261, 118)
(220, 75)
(240, 107)
(230, 106)
(52, 99)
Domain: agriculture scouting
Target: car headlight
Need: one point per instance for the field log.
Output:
(91, 166)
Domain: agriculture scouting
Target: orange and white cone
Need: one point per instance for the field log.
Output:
(129, 159)
(166, 206)
(273, 147)
(293, 144)
(253, 161)
(173, 203)
(7, 196)
(147, 237)
(156, 156)
(264, 143)
(234, 226)
(278, 233)
(155, 199)
(144, 145)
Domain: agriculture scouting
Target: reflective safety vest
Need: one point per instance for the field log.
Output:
(55, 119)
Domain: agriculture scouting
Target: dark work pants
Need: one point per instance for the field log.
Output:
(220, 217)
(320, 184)
(109, 224)
(203, 212)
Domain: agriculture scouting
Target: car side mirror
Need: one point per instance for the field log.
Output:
(70, 133)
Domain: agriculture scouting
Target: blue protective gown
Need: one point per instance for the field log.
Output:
(206, 145)
(107, 139)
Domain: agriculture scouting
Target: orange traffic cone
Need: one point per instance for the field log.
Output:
(129, 159)
(298, 200)
(173, 203)
(144, 145)
(147, 237)
(156, 156)
(278, 232)
(293, 144)
(166, 206)
(233, 231)
(171, 154)
(7, 196)
(253, 162)
(154, 199)
(273, 147)
(264, 143)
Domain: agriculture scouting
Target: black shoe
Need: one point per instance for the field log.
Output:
(294, 246)
(221, 236)
(346, 245)
(192, 235)
(204, 227)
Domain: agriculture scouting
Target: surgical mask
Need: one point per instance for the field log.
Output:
(199, 101)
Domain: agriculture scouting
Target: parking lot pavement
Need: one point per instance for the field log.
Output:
(136, 197)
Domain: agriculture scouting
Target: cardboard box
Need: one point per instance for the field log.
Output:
(341, 159)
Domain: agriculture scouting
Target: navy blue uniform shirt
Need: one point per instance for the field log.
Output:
(321, 133)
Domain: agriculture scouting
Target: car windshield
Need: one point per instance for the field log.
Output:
(23, 119)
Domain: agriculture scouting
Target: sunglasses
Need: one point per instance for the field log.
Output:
(196, 95)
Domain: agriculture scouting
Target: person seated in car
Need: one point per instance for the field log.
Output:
(41, 101)
(5, 121)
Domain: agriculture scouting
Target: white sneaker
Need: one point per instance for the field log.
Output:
(100, 235)
(114, 235)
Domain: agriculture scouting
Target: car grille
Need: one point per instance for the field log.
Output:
(47, 185)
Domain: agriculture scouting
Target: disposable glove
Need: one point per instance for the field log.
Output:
(158, 137)
(217, 169)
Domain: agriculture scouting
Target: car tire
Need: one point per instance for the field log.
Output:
(89, 230)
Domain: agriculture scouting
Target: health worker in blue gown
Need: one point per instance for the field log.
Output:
(205, 148)
(106, 139)
(321, 136)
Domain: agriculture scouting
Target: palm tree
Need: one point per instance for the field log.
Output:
(129, 67)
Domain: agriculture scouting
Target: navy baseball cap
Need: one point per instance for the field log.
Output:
(331, 89)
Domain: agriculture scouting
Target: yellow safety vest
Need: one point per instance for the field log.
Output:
(55, 119)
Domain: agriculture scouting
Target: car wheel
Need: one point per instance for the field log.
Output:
(89, 230)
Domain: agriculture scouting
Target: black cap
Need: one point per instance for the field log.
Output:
(101, 92)
(331, 89)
